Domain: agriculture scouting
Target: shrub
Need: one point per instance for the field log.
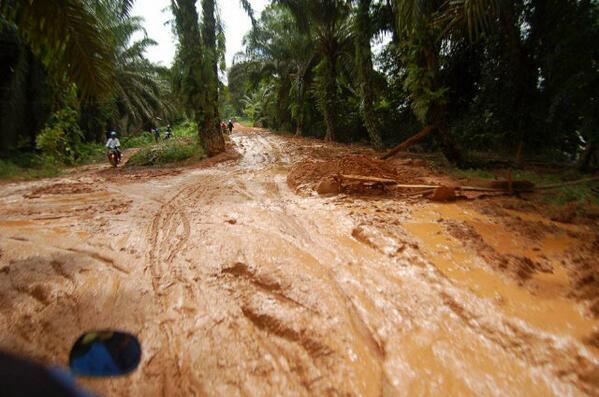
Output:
(41, 167)
(145, 139)
(61, 136)
(173, 150)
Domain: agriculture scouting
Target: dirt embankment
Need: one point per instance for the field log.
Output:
(311, 175)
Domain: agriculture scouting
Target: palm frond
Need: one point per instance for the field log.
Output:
(247, 6)
(474, 15)
(67, 35)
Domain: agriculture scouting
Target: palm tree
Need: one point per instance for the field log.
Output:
(327, 21)
(198, 66)
(210, 120)
(364, 63)
(424, 24)
(285, 55)
(137, 85)
(415, 22)
(192, 73)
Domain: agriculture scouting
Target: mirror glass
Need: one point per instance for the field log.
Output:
(105, 353)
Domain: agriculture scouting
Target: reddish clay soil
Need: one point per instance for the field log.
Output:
(305, 175)
(236, 285)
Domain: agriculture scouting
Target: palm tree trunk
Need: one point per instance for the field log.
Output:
(438, 110)
(210, 133)
(364, 60)
(330, 103)
(198, 55)
(585, 160)
(523, 74)
(301, 77)
(283, 116)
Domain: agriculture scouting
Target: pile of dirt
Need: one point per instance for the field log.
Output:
(324, 175)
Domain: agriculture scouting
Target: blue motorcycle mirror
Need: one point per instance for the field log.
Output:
(105, 354)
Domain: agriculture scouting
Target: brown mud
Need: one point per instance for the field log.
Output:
(236, 285)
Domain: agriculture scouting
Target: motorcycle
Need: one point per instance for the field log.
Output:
(113, 158)
(98, 354)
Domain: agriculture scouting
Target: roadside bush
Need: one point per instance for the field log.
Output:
(38, 167)
(187, 128)
(145, 139)
(174, 150)
(61, 136)
(90, 153)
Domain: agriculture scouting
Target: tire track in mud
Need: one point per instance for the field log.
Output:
(168, 235)
(278, 312)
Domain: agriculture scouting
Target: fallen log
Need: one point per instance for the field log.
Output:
(361, 178)
(385, 181)
(497, 186)
(414, 139)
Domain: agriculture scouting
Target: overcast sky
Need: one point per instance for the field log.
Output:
(156, 14)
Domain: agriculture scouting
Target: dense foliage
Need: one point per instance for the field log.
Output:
(517, 78)
(76, 78)
(512, 79)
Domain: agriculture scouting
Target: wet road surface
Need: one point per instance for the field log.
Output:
(237, 286)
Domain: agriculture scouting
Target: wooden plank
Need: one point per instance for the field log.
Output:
(362, 178)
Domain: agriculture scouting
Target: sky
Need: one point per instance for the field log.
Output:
(157, 14)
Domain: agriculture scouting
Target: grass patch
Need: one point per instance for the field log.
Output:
(578, 194)
(31, 165)
(187, 128)
(36, 168)
(146, 138)
(247, 123)
(142, 140)
(89, 153)
(175, 150)
(472, 174)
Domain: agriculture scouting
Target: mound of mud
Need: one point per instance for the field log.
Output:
(306, 175)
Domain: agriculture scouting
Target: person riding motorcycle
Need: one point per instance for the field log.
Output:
(169, 132)
(113, 143)
(230, 125)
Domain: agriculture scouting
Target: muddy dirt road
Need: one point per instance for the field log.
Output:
(237, 286)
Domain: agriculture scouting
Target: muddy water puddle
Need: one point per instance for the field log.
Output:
(545, 307)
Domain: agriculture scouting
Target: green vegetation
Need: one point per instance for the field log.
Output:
(25, 166)
(576, 194)
(31, 169)
(245, 121)
(174, 150)
(183, 146)
(513, 79)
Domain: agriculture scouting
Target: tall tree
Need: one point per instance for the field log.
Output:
(285, 56)
(196, 75)
(421, 49)
(210, 120)
(328, 21)
(364, 63)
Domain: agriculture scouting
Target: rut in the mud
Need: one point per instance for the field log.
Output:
(236, 285)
